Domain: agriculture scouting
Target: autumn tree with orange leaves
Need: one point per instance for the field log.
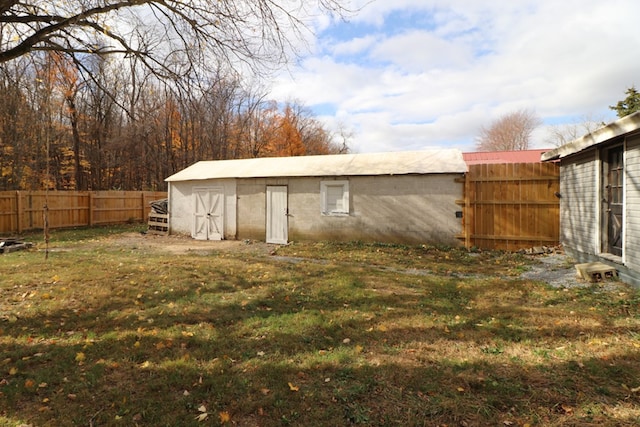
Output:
(51, 119)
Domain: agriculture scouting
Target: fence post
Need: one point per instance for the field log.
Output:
(468, 216)
(142, 206)
(19, 211)
(90, 208)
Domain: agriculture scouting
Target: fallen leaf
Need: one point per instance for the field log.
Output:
(567, 409)
(13, 371)
(224, 417)
(202, 408)
(293, 387)
(29, 383)
(202, 417)
(265, 391)
(80, 357)
(460, 389)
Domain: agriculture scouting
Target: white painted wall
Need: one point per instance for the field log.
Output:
(409, 209)
(181, 205)
(402, 209)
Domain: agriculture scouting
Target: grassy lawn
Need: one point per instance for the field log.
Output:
(320, 334)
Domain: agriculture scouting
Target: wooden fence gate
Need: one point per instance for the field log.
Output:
(511, 206)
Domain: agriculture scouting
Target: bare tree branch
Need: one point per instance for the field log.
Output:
(252, 32)
(40, 37)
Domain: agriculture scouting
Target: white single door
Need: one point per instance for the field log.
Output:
(208, 214)
(277, 214)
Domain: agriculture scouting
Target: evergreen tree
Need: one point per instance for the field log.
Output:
(629, 105)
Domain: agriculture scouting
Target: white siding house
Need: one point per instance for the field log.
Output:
(405, 197)
(600, 196)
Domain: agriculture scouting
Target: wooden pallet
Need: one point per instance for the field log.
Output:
(158, 224)
(596, 271)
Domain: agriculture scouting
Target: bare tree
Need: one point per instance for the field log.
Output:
(564, 133)
(510, 132)
(174, 38)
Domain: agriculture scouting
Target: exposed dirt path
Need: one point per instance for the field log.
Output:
(183, 244)
(558, 270)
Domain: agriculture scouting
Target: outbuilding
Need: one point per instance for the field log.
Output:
(402, 197)
(600, 196)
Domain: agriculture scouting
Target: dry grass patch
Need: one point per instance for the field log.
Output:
(115, 332)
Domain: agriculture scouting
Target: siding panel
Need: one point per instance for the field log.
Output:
(632, 209)
(578, 205)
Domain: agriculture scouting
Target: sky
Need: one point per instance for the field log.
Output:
(423, 74)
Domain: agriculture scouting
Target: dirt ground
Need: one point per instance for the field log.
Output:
(178, 244)
(558, 270)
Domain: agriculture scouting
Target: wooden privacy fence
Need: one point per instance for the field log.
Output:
(511, 206)
(23, 210)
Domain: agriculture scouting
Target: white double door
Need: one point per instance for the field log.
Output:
(208, 214)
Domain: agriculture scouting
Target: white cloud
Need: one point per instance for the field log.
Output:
(410, 74)
(354, 46)
(416, 51)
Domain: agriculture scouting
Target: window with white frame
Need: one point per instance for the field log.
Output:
(335, 197)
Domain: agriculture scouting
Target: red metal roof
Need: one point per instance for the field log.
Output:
(490, 157)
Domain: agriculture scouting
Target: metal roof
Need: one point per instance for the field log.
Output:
(623, 126)
(490, 157)
(397, 163)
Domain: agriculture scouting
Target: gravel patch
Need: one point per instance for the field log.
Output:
(558, 270)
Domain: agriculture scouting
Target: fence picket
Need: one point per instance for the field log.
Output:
(511, 206)
(22, 210)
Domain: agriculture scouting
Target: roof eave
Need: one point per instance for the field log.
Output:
(620, 127)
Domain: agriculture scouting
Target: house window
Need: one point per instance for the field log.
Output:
(335, 197)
